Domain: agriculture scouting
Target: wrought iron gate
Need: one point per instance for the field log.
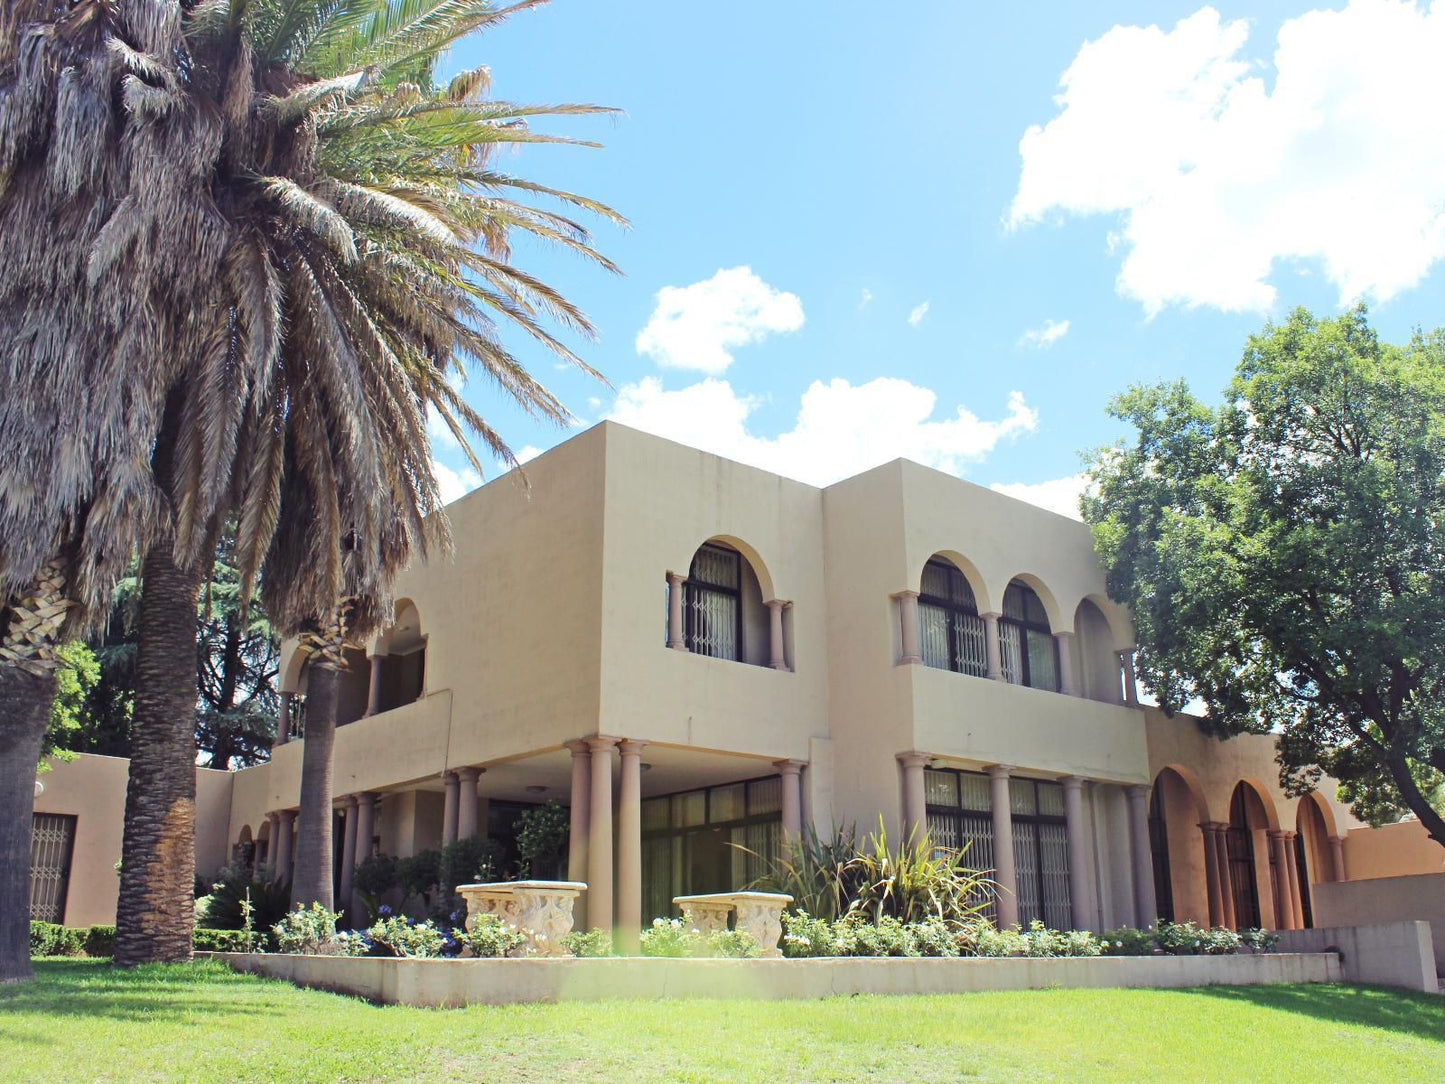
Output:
(52, 839)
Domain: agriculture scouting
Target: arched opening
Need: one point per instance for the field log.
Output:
(723, 610)
(1249, 820)
(1028, 651)
(1098, 664)
(400, 661)
(261, 854)
(951, 633)
(1312, 856)
(243, 854)
(355, 682)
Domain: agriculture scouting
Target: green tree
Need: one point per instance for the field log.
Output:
(75, 677)
(1282, 554)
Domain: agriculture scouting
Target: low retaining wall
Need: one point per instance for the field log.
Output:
(445, 983)
(1387, 954)
(1386, 899)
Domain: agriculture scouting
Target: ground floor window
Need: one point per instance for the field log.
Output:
(960, 815)
(52, 840)
(717, 839)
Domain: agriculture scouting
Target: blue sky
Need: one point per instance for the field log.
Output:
(843, 165)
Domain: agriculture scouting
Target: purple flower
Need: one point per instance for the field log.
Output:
(384, 910)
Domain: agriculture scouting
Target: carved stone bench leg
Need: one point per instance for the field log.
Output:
(765, 922)
(706, 917)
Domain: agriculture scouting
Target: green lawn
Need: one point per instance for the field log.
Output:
(82, 1020)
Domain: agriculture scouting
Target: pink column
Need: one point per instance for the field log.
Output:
(449, 808)
(272, 838)
(1068, 678)
(1146, 909)
(1078, 853)
(675, 634)
(1003, 845)
(992, 647)
(790, 773)
(577, 832)
(283, 721)
(365, 832)
(467, 825)
(373, 690)
(1211, 876)
(775, 634)
(908, 620)
(1131, 679)
(915, 809)
(1284, 912)
(286, 826)
(348, 857)
(1296, 890)
(629, 846)
(1337, 858)
(599, 842)
(1226, 879)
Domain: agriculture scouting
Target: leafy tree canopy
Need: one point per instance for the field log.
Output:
(1282, 554)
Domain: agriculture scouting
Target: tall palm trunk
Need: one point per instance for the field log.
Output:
(27, 686)
(313, 879)
(156, 910)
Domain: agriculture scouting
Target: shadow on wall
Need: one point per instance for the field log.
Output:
(1405, 1011)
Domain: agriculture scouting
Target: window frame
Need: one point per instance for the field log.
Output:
(694, 585)
(951, 608)
(1025, 626)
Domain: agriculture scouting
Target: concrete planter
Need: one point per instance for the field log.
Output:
(450, 983)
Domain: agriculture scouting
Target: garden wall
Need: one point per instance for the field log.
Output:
(1386, 899)
(1387, 954)
(445, 983)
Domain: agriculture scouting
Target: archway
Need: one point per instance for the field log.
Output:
(1176, 811)
(1251, 859)
(1313, 859)
(724, 607)
(1096, 655)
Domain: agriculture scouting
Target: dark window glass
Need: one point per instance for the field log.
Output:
(951, 634)
(712, 603)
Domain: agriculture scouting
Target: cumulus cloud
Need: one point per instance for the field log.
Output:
(917, 313)
(1059, 495)
(697, 326)
(840, 429)
(454, 483)
(865, 297)
(1219, 178)
(1044, 336)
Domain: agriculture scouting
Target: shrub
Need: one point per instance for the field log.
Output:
(204, 940)
(813, 870)
(374, 877)
(805, 936)
(52, 939)
(490, 936)
(1258, 940)
(591, 943)
(541, 836)
(270, 900)
(467, 861)
(915, 881)
(310, 931)
(420, 875)
(405, 937)
(673, 937)
(991, 941)
(1127, 941)
(100, 941)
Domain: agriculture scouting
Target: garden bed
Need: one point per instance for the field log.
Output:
(450, 983)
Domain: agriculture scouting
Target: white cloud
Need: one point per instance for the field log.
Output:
(841, 428)
(454, 483)
(1044, 336)
(695, 327)
(1059, 495)
(527, 452)
(866, 297)
(1219, 178)
(917, 313)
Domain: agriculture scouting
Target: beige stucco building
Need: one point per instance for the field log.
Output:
(694, 654)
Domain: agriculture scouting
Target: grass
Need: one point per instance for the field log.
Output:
(82, 1020)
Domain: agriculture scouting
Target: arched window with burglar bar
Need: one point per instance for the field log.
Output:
(952, 635)
(712, 603)
(1029, 653)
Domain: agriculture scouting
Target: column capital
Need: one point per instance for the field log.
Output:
(1064, 632)
(631, 747)
(578, 747)
(1073, 782)
(789, 767)
(469, 774)
(287, 816)
(1000, 771)
(778, 603)
(1138, 792)
(915, 759)
(352, 801)
(601, 743)
(991, 615)
(449, 776)
(1337, 840)
(677, 579)
(1212, 826)
(904, 594)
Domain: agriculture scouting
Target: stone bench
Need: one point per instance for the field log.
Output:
(540, 910)
(758, 913)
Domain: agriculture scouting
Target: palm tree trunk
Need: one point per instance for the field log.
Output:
(27, 687)
(24, 710)
(313, 880)
(156, 910)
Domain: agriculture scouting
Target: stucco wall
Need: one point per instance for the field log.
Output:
(1386, 899)
(92, 789)
(1392, 850)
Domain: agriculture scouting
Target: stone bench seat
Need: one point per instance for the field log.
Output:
(758, 913)
(540, 910)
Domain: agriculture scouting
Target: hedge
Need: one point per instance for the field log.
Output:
(50, 939)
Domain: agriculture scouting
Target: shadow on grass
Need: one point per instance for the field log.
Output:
(184, 994)
(1411, 1013)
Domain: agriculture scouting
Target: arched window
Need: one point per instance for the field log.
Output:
(951, 632)
(1030, 654)
(712, 603)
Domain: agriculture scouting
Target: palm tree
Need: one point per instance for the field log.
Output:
(368, 259)
(93, 248)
